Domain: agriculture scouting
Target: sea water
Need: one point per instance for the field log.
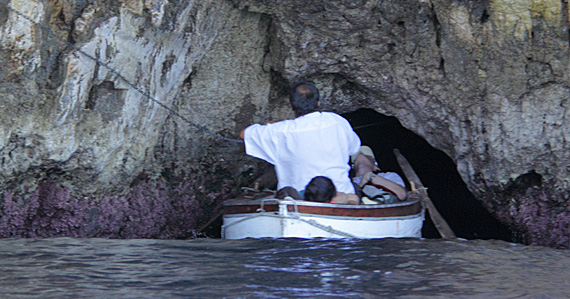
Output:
(280, 268)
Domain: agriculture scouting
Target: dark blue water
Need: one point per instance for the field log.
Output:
(280, 268)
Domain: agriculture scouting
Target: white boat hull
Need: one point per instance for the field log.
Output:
(299, 219)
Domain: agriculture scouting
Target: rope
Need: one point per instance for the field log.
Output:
(312, 222)
(120, 76)
(316, 224)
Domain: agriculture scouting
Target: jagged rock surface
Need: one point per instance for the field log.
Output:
(485, 82)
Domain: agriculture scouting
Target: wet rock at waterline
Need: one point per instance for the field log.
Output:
(485, 82)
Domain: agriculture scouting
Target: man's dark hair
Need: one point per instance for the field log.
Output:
(320, 189)
(304, 97)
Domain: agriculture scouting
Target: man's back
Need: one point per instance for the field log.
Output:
(315, 144)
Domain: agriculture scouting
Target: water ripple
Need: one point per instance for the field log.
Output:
(279, 268)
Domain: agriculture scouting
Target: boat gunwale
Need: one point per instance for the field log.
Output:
(275, 201)
(245, 207)
(333, 217)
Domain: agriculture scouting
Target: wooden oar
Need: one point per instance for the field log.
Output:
(440, 223)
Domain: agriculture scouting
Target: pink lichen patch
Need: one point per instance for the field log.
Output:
(540, 216)
(153, 208)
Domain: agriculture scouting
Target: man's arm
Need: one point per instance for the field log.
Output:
(242, 133)
(398, 190)
(351, 199)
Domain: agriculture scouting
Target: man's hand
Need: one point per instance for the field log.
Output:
(365, 178)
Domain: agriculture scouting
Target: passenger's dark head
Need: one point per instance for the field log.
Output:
(320, 189)
(304, 98)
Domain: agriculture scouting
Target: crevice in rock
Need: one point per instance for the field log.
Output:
(279, 89)
(187, 83)
(274, 55)
(565, 19)
(245, 115)
(270, 34)
(437, 28)
(354, 4)
(53, 70)
(465, 214)
(442, 65)
(3, 15)
(484, 17)
(166, 65)
(72, 38)
(107, 100)
(522, 183)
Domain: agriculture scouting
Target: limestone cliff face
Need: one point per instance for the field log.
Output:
(484, 81)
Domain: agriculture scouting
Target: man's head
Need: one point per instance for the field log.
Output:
(304, 98)
(365, 151)
(320, 189)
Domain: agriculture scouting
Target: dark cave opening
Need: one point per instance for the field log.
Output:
(464, 214)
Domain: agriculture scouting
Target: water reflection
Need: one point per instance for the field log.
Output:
(280, 268)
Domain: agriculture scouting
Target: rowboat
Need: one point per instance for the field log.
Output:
(288, 218)
(269, 217)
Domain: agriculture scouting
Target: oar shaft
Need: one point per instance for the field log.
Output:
(440, 224)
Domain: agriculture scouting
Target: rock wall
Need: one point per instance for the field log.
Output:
(90, 91)
(484, 81)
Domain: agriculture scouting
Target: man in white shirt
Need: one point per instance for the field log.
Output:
(313, 144)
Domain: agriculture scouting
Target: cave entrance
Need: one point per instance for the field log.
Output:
(464, 214)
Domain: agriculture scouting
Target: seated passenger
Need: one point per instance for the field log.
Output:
(322, 189)
(374, 184)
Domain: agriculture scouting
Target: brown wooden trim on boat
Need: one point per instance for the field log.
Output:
(250, 208)
(389, 211)
(394, 210)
